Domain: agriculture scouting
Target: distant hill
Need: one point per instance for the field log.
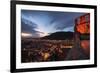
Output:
(59, 36)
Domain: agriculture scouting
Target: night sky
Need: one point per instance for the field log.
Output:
(42, 23)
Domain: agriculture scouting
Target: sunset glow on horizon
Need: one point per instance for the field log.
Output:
(26, 35)
(43, 34)
(40, 23)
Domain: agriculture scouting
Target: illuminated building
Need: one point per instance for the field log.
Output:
(82, 24)
(82, 33)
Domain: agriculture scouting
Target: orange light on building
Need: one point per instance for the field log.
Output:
(83, 28)
(85, 44)
(82, 24)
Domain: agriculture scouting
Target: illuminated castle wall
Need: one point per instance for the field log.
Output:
(82, 24)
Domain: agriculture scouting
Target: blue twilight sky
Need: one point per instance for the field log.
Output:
(42, 23)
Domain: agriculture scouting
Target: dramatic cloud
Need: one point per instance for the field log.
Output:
(41, 23)
(29, 27)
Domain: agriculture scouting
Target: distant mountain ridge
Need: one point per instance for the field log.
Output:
(60, 36)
